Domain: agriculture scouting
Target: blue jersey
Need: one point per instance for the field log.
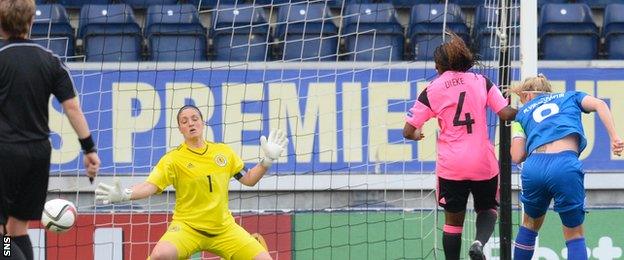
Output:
(550, 117)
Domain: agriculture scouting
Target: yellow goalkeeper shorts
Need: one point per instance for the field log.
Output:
(235, 243)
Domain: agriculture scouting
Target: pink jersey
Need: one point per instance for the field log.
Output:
(458, 100)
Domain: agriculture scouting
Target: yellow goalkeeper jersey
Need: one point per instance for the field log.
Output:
(201, 179)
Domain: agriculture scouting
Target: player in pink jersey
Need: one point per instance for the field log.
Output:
(466, 162)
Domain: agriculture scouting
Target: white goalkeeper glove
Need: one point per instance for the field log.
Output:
(112, 193)
(273, 147)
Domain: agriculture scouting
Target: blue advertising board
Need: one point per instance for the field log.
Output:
(339, 120)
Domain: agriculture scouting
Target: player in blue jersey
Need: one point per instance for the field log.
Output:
(548, 136)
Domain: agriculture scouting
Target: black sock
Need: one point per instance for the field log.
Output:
(452, 245)
(486, 220)
(23, 242)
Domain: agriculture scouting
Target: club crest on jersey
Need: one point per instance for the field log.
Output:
(220, 160)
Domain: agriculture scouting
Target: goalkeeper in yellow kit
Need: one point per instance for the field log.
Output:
(200, 172)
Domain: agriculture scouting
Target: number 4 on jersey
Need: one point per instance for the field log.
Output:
(468, 122)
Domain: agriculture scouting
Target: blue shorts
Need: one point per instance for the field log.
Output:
(557, 176)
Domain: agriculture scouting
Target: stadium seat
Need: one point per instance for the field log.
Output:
(484, 35)
(51, 29)
(174, 33)
(211, 4)
(335, 3)
(613, 31)
(600, 3)
(372, 33)
(279, 2)
(110, 33)
(144, 4)
(240, 33)
(426, 24)
(467, 3)
(568, 32)
(407, 3)
(307, 33)
(543, 2)
(77, 4)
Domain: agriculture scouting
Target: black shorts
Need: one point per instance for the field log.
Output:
(24, 173)
(453, 195)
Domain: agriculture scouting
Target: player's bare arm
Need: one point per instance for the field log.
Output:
(507, 113)
(114, 193)
(592, 104)
(412, 133)
(518, 150)
(142, 190)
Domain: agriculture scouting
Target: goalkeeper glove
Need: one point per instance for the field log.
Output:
(273, 147)
(112, 193)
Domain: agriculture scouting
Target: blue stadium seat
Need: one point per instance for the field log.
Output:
(174, 33)
(543, 2)
(77, 4)
(372, 33)
(240, 33)
(307, 33)
(215, 4)
(395, 3)
(613, 31)
(51, 29)
(335, 3)
(599, 3)
(279, 2)
(110, 33)
(468, 3)
(211, 4)
(144, 4)
(485, 37)
(426, 24)
(568, 32)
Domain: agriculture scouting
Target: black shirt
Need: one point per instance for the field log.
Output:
(29, 73)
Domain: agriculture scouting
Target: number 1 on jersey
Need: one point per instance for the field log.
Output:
(468, 122)
(210, 182)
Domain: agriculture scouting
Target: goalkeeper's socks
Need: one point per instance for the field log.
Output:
(23, 242)
(525, 244)
(486, 220)
(576, 249)
(451, 241)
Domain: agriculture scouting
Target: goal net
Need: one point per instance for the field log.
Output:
(337, 76)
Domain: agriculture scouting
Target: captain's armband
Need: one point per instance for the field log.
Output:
(240, 174)
(517, 131)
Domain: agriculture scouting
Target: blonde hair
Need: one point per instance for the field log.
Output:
(537, 84)
(16, 17)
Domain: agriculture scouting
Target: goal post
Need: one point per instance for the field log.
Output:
(528, 66)
(504, 79)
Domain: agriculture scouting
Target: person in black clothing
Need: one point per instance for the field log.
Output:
(29, 74)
